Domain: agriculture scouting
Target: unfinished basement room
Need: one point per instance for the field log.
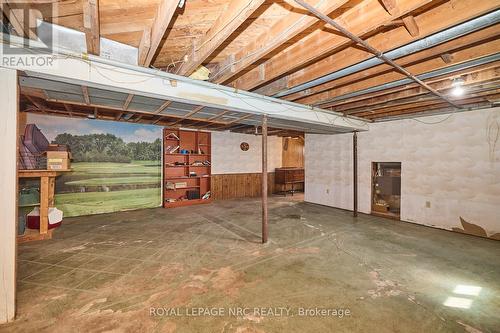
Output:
(250, 166)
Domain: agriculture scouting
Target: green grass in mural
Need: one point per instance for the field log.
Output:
(116, 181)
(136, 167)
(116, 176)
(75, 204)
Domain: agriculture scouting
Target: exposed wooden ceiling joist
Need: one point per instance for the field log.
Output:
(144, 46)
(429, 22)
(85, 92)
(163, 107)
(127, 101)
(188, 116)
(418, 63)
(475, 101)
(473, 78)
(236, 13)
(411, 25)
(361, 19)
(91, 26)
(475, 52)
(165, 13)
(370, 96)
(425, 101)
(69, 109)
(20, 17)
(278, 34)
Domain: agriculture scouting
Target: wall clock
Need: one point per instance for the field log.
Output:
(244, 146)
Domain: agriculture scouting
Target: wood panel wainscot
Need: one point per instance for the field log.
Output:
(239, 185)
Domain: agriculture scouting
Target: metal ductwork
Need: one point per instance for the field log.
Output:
(419, 45)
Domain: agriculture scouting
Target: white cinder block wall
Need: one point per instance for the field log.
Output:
(227, 156)
(454, 164)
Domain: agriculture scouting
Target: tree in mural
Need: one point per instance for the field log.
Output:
(108, 148)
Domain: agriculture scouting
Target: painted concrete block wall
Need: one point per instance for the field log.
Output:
(8, 193)
(451, 162)
(227, 156)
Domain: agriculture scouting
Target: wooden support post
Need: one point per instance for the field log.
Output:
(44, 204)
(52, 191)
(355, 173)
(264, 180)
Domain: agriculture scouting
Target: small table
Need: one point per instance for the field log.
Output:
(47, 190)
(289, 175)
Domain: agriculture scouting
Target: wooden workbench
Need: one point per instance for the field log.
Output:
(47, 190)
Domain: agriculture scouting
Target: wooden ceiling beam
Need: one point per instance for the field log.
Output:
(91, 26)
(86, 97)
(363, 18)
(127, 101)
(157, 120)
(389, 5)
(338, 89)
(163, 107)
(425, 101)
(405, 90)
(188, 116)
(121, 110)
(237, 12)
(411, 25)
(278, 34)
(69, 109)
(418, 63)
(470, 80)
(38, 104)
(234, 121)
(165, 13)
(429, 22)
(427, 108)
(144, 46)
(217, 116)
(17, 14)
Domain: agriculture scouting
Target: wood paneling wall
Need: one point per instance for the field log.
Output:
(293, 152)
(240, 185)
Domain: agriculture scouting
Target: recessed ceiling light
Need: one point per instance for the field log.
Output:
(458, 89)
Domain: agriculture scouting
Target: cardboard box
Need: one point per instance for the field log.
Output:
(58, 160)
(380, 208)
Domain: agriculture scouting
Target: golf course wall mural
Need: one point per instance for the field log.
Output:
(115, 166)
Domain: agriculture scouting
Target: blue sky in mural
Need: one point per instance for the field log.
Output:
(52, 126)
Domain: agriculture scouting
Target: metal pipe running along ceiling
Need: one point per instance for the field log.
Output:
(424, 76)
(376, 52)
(417, 46)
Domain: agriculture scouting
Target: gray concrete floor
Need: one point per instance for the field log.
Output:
(110, 272)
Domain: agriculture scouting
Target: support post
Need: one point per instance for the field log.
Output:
(264, 180)
(355, 173)
(8, 193)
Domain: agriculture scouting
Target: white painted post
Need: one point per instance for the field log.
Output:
(8, 194)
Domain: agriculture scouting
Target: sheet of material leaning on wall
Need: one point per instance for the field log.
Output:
(450, 169)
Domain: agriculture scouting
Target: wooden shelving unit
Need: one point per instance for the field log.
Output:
(180, 185)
